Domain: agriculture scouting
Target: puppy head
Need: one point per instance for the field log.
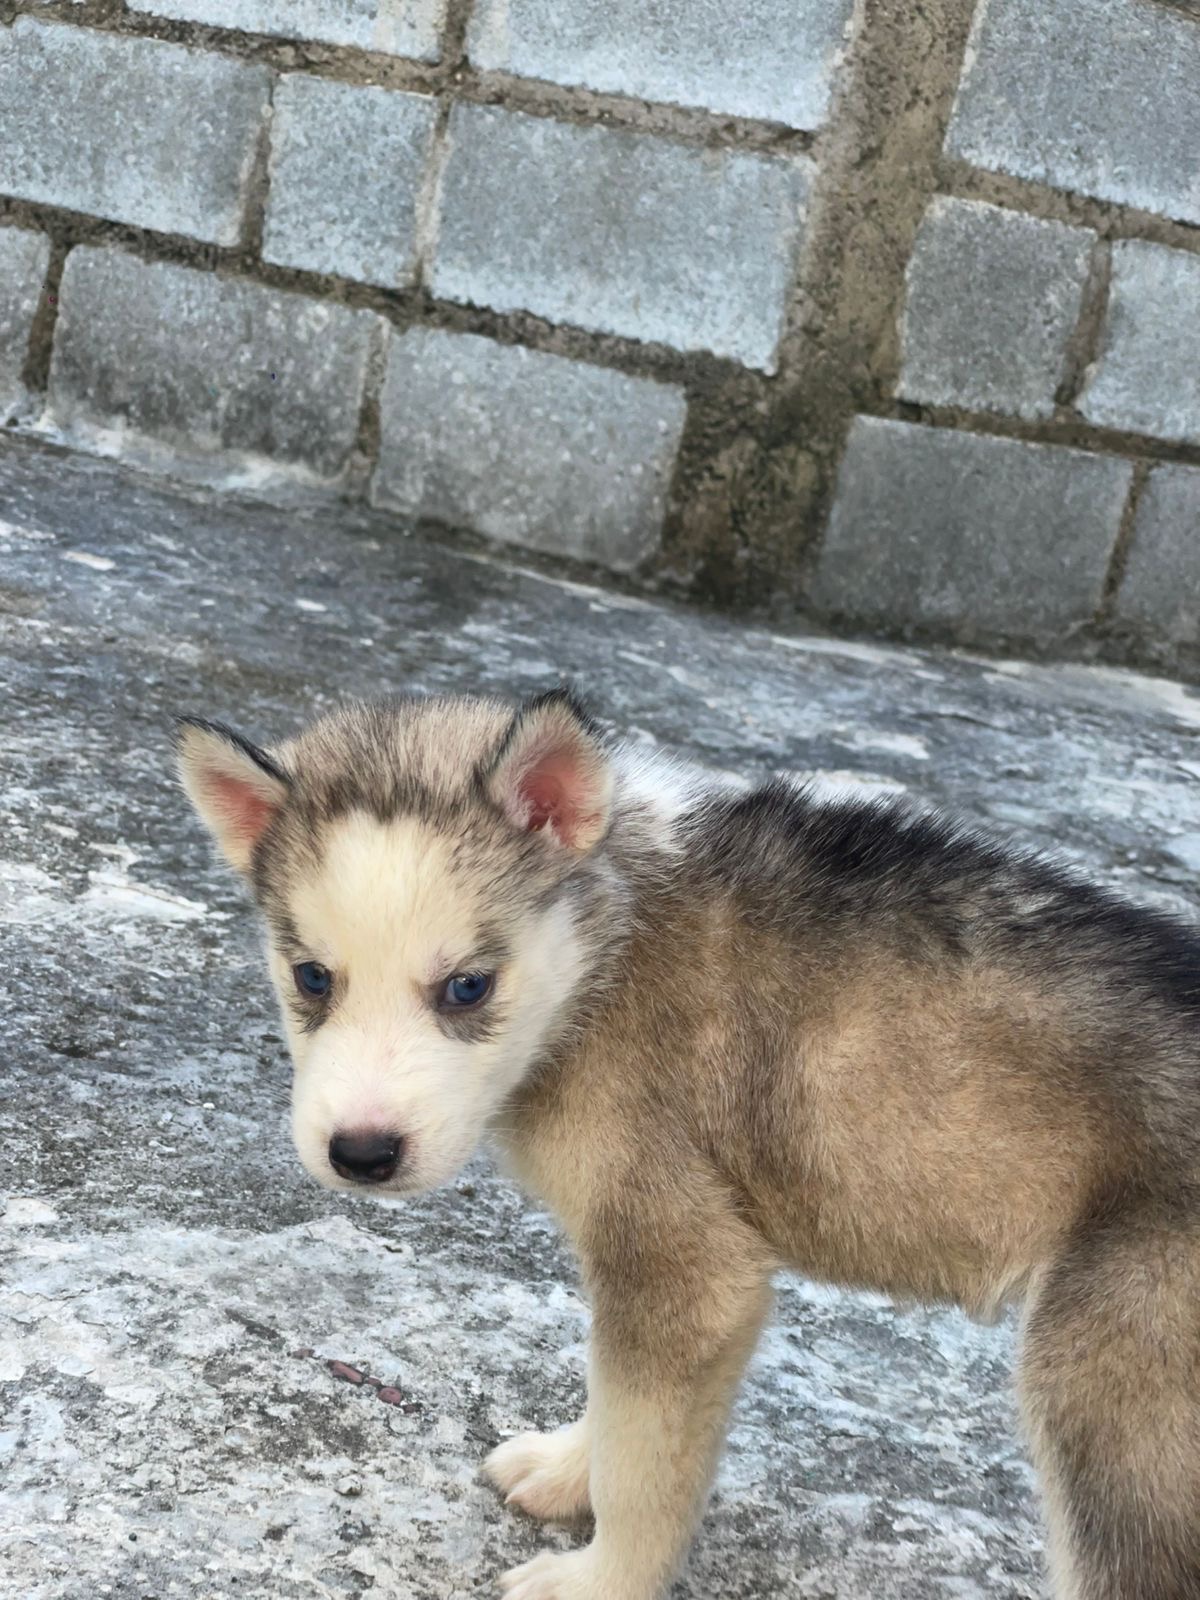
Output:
(432, 880)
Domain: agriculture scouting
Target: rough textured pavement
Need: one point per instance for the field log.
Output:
(173, 1286)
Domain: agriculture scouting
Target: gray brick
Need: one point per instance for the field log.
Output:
(1093, 95)
(620, 232)
(412, 28)
(206, 364)
(1160, 593)
(526, 447)
(771, 59)
(24, 257)
(993, 298)
(347, 164)
(981, 535)
(131, 129)
(1147, 377)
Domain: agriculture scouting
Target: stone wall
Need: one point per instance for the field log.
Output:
(884, 314)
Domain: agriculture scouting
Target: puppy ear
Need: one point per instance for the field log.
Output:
(237, 788)
(553, 774)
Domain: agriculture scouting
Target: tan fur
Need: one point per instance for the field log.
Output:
(725, 1045)
(546, 1474)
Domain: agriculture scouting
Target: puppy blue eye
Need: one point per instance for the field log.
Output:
(467, 988)
(312, 979)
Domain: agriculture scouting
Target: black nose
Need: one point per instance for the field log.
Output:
(365, 1157)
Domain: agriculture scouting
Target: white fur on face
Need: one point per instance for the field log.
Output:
(393, 917)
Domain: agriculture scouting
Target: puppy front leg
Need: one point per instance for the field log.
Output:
(657, 1416)
(545, 1474)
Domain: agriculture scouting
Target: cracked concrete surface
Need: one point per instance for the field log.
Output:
(173, 1287)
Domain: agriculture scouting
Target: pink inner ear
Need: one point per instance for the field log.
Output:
(554, 792)
(246, 812)
(543, 798)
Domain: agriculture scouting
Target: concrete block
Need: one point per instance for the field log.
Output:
(136, 130)
(621, 232)
(977, 535)
(412, 28)
(527, 447)
(993, 298)
(347, 164)
(1097, 96)
(24, 257)
(1147, 377)
(1160, 592)
(770, 59)
(206, 364)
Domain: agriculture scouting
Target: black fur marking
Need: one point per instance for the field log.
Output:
(564, 697)
(473, 1024)
(314, 1011)
(568, 697)
(259, 757)
(939, 885)
(313, 1019)
(383, 798)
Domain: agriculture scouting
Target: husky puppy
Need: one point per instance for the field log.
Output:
(724, 1030)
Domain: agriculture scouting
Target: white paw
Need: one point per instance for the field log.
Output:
(544, 1474)
(555, 1577)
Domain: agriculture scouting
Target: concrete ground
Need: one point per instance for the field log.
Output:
(174, 1288)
